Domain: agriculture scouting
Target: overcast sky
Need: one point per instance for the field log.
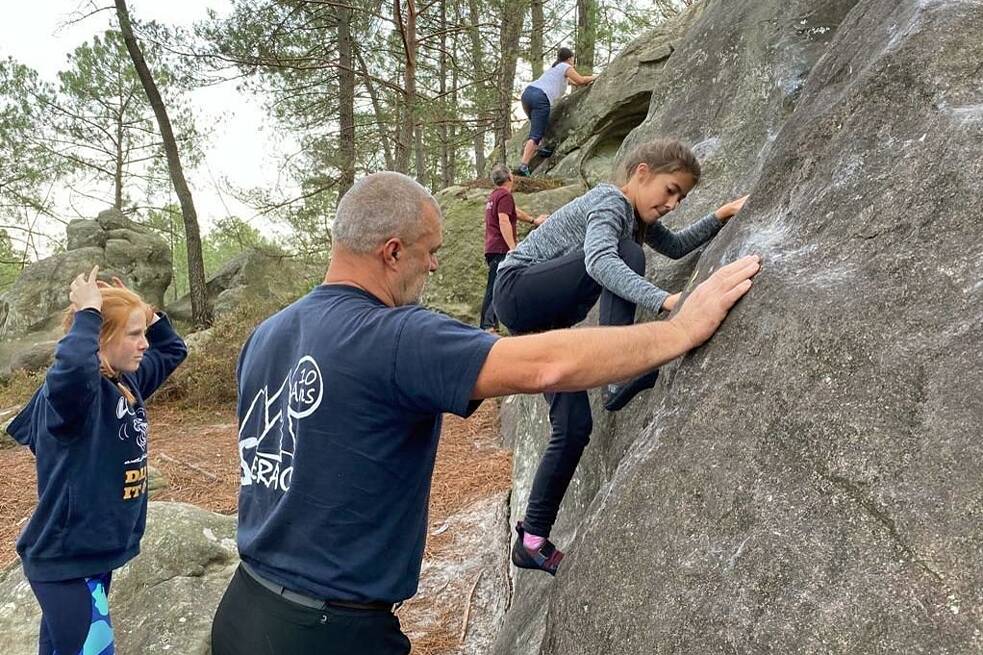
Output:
(242, 148)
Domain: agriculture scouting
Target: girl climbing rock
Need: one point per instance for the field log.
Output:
(590, 249)
(541, 95)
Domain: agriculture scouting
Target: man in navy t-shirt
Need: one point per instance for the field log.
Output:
(340, 403)
(501, 216)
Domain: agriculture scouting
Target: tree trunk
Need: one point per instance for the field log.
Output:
(512, 19)
(421, 157)
(442, 128)
(480, 90)
(536, 38)
(118, 170)
(405, 130)
(346, 101)
(377, 108)
(587, 18)
(451, 172)
(479, 154)
(201, 313)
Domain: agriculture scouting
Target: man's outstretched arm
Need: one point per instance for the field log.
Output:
(570, 360)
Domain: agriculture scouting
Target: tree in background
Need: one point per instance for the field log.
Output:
(102, 125)
(29, 170)
(201, 312)
(228, 238)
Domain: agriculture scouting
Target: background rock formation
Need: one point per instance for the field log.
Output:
(31, 309)
(810, 480)
(252, 276)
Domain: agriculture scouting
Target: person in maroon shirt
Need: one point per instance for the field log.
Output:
(501, 216)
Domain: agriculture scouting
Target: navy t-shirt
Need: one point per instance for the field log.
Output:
(340, 403)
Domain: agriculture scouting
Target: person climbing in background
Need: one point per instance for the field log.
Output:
(591, 249)
(87, 428)
(501, 216)
(541, 95)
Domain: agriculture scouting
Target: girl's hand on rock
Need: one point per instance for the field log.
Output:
(726, 212)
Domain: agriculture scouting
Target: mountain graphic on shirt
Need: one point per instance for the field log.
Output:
(268, 428)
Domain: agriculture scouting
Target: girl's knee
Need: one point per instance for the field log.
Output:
(632, 254)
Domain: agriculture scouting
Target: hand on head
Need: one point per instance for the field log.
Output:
(84, 291)
(118, 283)
(707, 306)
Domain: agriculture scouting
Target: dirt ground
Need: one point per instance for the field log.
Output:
(195, 450)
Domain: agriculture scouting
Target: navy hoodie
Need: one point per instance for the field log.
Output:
(91, 450)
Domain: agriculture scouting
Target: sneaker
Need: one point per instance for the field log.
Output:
(547, 558)
(545, 152)
(616, 396)
(522, 171)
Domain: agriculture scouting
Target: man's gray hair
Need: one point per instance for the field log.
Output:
(379, 207)
(500, 174)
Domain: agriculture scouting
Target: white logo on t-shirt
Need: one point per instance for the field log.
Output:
(133, 423)
(267, 439)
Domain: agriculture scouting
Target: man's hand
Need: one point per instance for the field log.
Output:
(670, 302)
(707, 306)
(539, 220)
(726, 212)
(84, 292)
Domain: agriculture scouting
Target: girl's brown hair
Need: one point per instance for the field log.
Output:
(663, 156)
(660, 156)
(117, 306)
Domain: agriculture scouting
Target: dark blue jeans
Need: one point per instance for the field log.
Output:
(488, 318)
(537, 108)
(553, 295)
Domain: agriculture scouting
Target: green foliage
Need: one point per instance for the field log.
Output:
(106, 130)
(228, 238)
(29, 169)
(10, 262)
(207, 377)
(18, 388)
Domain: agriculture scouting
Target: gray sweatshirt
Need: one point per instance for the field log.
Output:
(595, 222)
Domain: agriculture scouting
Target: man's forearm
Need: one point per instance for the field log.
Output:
(575, 359)
(505, 226)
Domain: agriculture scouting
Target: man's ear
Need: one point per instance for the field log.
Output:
(391, 251)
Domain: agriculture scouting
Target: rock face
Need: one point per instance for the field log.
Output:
(161, 602)
(809, 480)
(458, 286)
(252, 276)
(118, 245)
(31, 309)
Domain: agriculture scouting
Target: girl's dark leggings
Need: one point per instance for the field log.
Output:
(75, 616)
(552, 295)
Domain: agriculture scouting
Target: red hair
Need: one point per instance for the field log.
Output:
(117, 307)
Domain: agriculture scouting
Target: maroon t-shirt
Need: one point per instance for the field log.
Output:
(499, 202)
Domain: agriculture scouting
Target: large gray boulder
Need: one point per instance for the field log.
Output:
(162, 602)
(810, 480)
(253, 276)
(33, 304)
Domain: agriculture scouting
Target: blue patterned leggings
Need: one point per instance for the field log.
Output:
(75, 616)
